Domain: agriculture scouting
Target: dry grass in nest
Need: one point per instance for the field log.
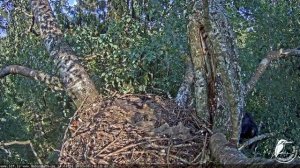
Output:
(133, 129)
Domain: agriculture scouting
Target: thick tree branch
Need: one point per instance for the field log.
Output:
(184, 92)
(273, 55)
(227, 155)
(51, 81)
(72, 74)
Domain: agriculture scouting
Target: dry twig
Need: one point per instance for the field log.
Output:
(28, 142)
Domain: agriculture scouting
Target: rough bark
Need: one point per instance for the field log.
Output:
(75, 79)
(215, 61)
(227, 155)
(216, 56)
(200, 55)
(228, 71)
(184, 92)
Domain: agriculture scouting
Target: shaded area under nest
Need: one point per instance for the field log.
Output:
(135, 129)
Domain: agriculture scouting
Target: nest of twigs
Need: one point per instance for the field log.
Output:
(134, 129)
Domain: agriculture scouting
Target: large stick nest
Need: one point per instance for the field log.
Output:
(135, 129)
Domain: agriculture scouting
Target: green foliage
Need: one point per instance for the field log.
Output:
(28, 110)
(141, 53)
(132, 56)
(128, 55)
(275, 100)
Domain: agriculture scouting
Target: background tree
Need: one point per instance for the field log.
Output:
(142, 49)
(262, 27)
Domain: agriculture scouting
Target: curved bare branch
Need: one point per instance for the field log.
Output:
(51, 81)
(273, 55)
(256, 139)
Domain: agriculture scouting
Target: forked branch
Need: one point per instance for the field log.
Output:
(5, 144)
(273, 55)
(51, 81)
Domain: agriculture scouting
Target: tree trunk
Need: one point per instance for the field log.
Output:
(230, 97)
(218, 89)
(75, 79)
(219, 95)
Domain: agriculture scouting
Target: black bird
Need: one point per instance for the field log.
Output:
(249, 128)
